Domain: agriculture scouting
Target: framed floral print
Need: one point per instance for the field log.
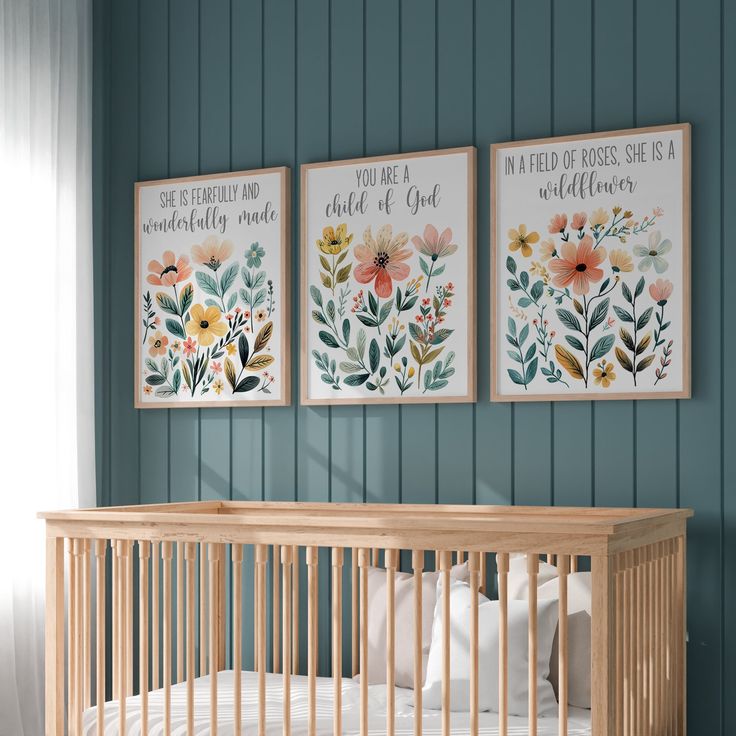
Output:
(590, 266)
(212, 290)
(388, 272)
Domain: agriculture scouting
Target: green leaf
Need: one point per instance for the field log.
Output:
(247, 384)
(356, 379)
(523, 334)
(372, 304)
(440, 336)
(531, 371)
(599, 314)
(514, 356)
(155, 380)
(176, 382)
(167, 303)
(627, 293)
(328, 339)
(515, 376)
(346, 330)
(524, 279)
(644, 318)
(207, 283)
(186, 297)
(326, 280)
(344, 274)
(385, 311)
(639, 287)
(175, 328)
(645, 362)
(513, 285)
(228, 277)
(347, 367)
(415, 332)
(259, 298)
(243, 348)
(524, 302)
(316, 295)
(578, 307)
(330, 309)
(623, 360)
(626, 338)
(423, 265)
(569, 319)
(318, 317)
(231, 301)
(374, 355)
(512, 327)
(510, 264)
(361, 343)
(602, 346)
(325, 263)
(537, 290)
(367, 320)
(574, 342)
(438, 271)
(530, 353)
(622, 314)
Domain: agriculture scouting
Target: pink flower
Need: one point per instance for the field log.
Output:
(578, 265)
(170, 272)
(558, 224)
(657, 212)
(382, 259)
(216, 367)
(578, 220)
(661, 291)
(190, 346)
(433, 244)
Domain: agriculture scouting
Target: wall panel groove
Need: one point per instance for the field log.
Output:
(189, 87)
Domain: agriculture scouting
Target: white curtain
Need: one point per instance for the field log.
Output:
(46, 318)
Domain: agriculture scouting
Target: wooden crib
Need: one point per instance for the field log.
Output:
(141, 598)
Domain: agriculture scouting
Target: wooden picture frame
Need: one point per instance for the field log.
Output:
(387, 179)
(672, 183)
(228, 214)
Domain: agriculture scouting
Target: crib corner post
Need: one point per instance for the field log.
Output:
(54, 636)
(603, 646)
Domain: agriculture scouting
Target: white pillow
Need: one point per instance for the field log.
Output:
(404, 606)
(488, 652)
(579, 602)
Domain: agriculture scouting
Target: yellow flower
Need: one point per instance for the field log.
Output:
(539, 270)
(620, 261)
(397, 368)
(603, 374)
(205, 324)
(411, 371)
(217, 386)
(547, 249)
(231, 349)
(333, 241)
(598, 218)
(616, 210)
(522, 240)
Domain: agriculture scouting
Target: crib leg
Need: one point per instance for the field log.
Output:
(54, 636)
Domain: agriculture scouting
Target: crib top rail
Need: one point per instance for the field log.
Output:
(567, 530)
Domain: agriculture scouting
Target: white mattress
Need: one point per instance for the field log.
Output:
(579, 720)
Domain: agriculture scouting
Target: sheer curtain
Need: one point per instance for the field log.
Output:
(46, 318)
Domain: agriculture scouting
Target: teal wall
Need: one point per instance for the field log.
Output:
(184, 87)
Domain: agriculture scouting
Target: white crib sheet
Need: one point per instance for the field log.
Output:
(579, 720)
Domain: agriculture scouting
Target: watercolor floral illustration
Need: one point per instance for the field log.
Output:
(207, 318)
(384, 310)
(587, 297)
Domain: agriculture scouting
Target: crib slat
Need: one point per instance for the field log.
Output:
(129, 616)
(337, 564)
(202, 610)
(483, 572)
(636, 655)
(286, 563)
(680, 606)
(237, 557)
(363, 563)
(647, 649)
(445, 563)
(144, 553)
(474, 572)
(100, 552)
(155, 615)
(354, 602)
(563, 569)
(390, 557)
(71, 675)
(166, 555)
(180, 611)
(502, 563)
(78, 550)
(295, 613)
(417, 564)
(114, 593)
(312, 636)
(619, 708)
(260, 618)
(213, 552)
(86, 627)
(190, 555)
(532, 561)
(122, 646)
(276, 610)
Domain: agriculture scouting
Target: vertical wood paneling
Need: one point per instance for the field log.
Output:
(183, 145)
(532, 115)
(153, 164)
(455, 122)
(701, 420)
(571, 113)
(192, 86)
(494, 115)
(613, 107)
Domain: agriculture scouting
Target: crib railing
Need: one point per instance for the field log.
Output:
(154, 597)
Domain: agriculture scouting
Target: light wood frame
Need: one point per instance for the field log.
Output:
(305, 311)
(637, 558)
(686, 392)
(284, 275)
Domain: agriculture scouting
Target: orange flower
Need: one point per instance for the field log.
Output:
(578, 265)
(558, 224)
(382, 258)
(157, 344)
(578, 220)
(212, 252)
(661, 291)
(170, 272)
